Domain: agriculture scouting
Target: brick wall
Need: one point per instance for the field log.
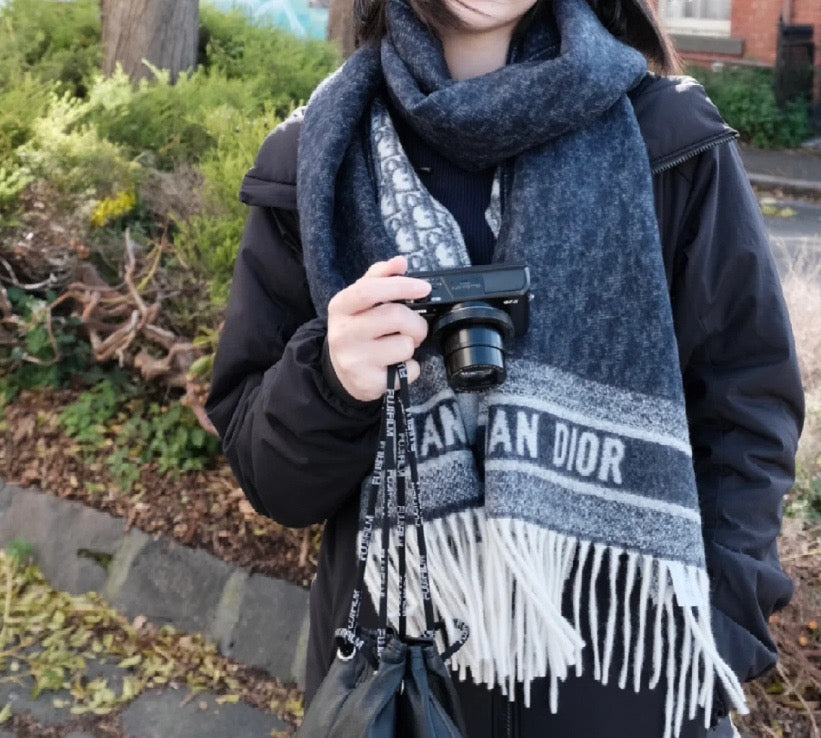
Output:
(756, 22)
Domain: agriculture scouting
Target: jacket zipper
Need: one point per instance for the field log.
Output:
(694, 151)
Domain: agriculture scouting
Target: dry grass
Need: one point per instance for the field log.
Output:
(786, 702)
(802, 290)
(801, 280)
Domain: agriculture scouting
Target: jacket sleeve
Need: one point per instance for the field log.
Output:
(296, 441)
(744, 401)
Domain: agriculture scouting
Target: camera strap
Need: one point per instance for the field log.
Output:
(395, 469)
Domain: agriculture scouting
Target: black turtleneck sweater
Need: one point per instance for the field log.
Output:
(465, 194)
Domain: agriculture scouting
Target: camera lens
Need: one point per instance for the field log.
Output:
(472, 337)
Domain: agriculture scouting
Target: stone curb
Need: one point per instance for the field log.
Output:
(793, 186)
(258, 620)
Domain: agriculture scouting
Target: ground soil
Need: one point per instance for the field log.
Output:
(204, 509)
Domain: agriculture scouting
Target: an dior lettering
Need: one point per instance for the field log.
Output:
(523, 433)
(588, 453)
(449, 432)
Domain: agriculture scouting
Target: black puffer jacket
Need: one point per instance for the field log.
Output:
(299, 444)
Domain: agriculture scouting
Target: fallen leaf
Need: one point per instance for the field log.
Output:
(130, 661)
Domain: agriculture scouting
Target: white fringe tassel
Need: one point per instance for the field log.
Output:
(505, 578)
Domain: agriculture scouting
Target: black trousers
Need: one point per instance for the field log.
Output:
(586, 710)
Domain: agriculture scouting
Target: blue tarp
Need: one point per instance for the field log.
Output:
(295, 16)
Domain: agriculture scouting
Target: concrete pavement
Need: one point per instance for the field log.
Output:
(257, 620)
(793, 171)
(794, 225)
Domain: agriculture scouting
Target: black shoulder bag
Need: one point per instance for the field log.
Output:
(382, 682)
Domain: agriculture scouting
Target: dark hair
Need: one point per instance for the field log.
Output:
(632, 21)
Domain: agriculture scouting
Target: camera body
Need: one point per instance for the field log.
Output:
(473, 313)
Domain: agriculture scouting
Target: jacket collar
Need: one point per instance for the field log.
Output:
(662, 104)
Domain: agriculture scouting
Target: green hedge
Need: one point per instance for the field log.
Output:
(746, 99)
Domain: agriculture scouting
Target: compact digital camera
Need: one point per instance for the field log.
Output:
(473, 312)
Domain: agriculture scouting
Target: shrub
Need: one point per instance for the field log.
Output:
(248, 68)
(284, 69)
(161, 118)
(12, 183)
(21, 103)
(108, 151)
(117, 419)
(30, 363)
(210, 241)
(746, 99)
(87, 419)
(172, 437)
(55, 41)
(72, 156)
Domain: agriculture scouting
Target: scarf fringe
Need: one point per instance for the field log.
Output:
(479, 567)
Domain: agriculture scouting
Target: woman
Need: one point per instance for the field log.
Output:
(605, 520)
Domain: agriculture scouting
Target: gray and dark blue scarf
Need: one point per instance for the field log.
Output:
(579, 466)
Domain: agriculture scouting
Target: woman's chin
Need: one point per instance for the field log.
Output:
(485, 15)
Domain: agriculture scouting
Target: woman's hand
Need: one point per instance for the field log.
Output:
(368, 330)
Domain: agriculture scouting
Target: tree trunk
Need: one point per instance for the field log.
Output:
(340, 25)
(163, 32)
